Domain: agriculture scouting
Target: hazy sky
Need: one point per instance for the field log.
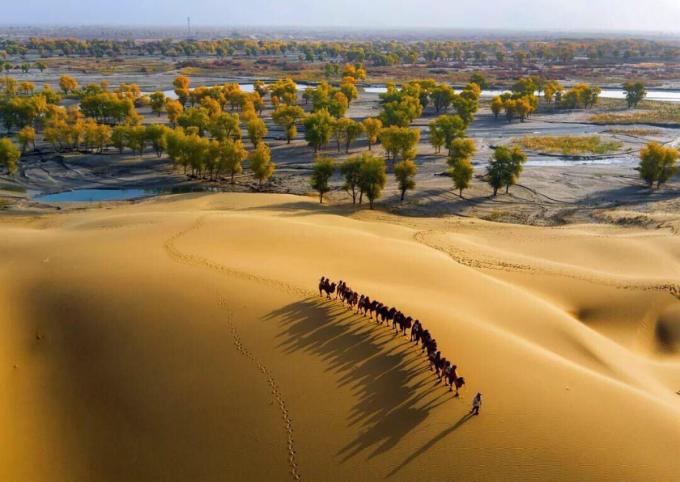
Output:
(649, 15)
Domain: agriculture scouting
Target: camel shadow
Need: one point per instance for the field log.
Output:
(431, 443)
(388, 376)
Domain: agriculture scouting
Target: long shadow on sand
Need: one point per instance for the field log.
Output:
(389, 376)
(431, 443)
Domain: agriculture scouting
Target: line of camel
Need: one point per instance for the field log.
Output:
(382, 313)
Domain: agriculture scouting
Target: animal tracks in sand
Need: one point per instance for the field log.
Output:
(187, 258)
(275, 390)
(192, 259)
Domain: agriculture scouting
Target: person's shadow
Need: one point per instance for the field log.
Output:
(431, 443)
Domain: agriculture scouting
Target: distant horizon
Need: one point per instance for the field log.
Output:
(615, 16)
(259, 29)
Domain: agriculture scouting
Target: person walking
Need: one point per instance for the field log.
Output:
(476, 404)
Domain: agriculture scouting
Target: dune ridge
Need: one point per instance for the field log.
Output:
(185, 336)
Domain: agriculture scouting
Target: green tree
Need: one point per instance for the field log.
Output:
(405, 172)
(119, 136)
(231, 157)
(480, 80)
(9, 155)
(461, 170)
(350, 170)
(658, 163)
(442, 95)
(260, 162)
(157, 102)
(399, 142)
(372, 177)
(283, 90)
(287, 116)
(505, 167)
(318, 128)
(496, 106)
(156, 134)
(447, 128)
(225, 126)
(372, 127)
(322, 171)
(635, 92)
(197, 117)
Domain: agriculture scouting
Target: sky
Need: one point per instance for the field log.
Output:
(661, 16)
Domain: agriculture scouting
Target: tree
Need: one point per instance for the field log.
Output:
(157, 102)
(348, 88)
(350, 170)
(181, 84)
(286, 116)
(461, 171)
(496, 106)
(174, 109)
(372, 127)
(658, 163)
(231, 156)
(26, 136)
(635, 92)
(338, 105)
(260, 87)
(257, 129)
(261, 163)
(480, 80)
(346, 131)
(41, 66)
(9, 155)
(224, 126)
(402, 111)
(318, 128)
(156, 134)
(552, 90)
(442, 95)
(322, 171)
(27, 88)
(372, 177)
(119, 136)
(399, 142)
(447, 128)
(505, 167)
(405, 172)
(197, 117)
(284, 90)
(67, 84)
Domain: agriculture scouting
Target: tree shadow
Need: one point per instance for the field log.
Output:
(431, 443)
(389, 377)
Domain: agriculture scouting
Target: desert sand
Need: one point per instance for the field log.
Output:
(182, 338)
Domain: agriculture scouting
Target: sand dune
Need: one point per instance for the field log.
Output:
(182, 339)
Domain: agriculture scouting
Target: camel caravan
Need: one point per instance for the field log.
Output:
(383, 314)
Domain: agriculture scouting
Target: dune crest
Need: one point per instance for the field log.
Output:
(183, 339)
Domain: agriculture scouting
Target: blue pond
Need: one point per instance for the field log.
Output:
(94, 195)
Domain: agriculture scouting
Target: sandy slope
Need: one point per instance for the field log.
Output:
(182, 339)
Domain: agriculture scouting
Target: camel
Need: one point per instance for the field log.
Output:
(326, 287)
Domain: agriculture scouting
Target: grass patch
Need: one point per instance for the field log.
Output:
(12, 188)
(568, 145)
(661, 115)
(637, 132)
